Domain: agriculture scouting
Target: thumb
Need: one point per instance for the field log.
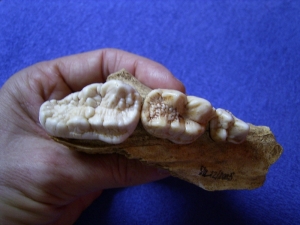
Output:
(84, 173)
(115, 170)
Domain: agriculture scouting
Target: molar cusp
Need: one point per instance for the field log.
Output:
(129, 101)
(72, 102)
(159, 127)
(89, 91)
(225, 118)
(79, 124)
(121, 104)
(98, 99)
(91, 102)
(47, 113)
(89, 112)
(98, 89)
(221, 135)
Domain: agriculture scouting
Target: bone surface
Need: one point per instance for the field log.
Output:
(109, 112)
(206, 163)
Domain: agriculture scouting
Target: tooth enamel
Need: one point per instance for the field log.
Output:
(109, 112)
(226, 127)
(172, 115)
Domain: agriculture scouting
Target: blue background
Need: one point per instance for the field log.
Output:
(240, 55)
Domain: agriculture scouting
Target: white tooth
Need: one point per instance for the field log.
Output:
(89, 112)
(226, 127)
(238, 132)
(109, 112)
(181, 121)
(199, 109)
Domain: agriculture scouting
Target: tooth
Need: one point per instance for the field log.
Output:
(172, 115)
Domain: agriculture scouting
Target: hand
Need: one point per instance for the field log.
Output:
(41, 181)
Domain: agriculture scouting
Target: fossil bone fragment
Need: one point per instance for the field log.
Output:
(226, 127)
(109, 112)
(208, 164)
(172, 115)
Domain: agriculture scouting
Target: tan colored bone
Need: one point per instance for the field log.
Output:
(205, 163)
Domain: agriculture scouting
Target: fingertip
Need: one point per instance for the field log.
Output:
(153, 173)
(179, 86)
(147, 71)
(156, 75)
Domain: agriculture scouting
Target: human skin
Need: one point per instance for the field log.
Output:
(41, 181)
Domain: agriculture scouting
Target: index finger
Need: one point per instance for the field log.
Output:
(91, 67)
